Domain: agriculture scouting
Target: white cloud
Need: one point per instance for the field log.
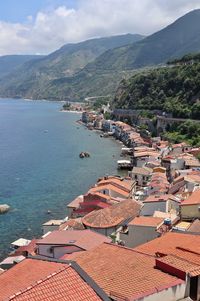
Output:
(92, 18)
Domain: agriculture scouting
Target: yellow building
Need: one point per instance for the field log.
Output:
(190, 208)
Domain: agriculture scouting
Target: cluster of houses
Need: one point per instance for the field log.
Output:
(132, 238)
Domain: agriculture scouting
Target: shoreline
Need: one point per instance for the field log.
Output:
(70, 111)
(114, 160)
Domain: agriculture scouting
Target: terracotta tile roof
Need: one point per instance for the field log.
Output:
(116, 181)
(160, 198)
(186, 246)
(147, 154)
(194, 199)
(29, 249)
(177, 263)
(64, 284)
(123, 272)
(110, 187)
(195, 226)
(75, 203)
(105, 196)
(24, 274)
(142, 171)
(147, 221)
(112, 216)
(84, 239)
(72, 224)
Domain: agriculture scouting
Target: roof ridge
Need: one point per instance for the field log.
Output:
(129, 249)
(187, 250)
(38, 282)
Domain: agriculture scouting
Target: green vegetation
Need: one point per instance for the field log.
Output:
(58, 77)
(8, 63)
(96, 67)
(176, 40)
(172, 89)
(188, 131)
(188, 58)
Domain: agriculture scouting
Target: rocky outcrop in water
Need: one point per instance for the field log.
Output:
(4, 208)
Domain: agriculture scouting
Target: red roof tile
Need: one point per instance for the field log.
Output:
(195, 226)
(194, 199)
(24, 274)
(160, 198)
(147, 221)
(72, 224)
(123, 272)
(112, 216)
(177, 263)
(64, 284)
(186, 246)
(84, 239)
(111, 187)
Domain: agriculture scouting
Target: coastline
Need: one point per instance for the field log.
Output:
(108, 168)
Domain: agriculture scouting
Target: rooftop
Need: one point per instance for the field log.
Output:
(129, 274)
(147, 221)
(75, 203)
(110, 187)
(142, 170)
(183, 245)
(53, 222)
(112, 216)
(73, 224)
(84, 239)
(160, 198)
(24, 274)
(194, 199)
(64, 284)
(21, 242)
(195, 226)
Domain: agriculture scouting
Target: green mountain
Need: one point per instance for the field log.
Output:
(179, 38)
(8, 63)
(96, 67)
(174, 89)
(43, 78)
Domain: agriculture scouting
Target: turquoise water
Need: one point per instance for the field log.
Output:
(40, 169)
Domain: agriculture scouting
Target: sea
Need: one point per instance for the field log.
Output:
(40, 168)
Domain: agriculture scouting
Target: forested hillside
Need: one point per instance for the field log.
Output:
(174, 89)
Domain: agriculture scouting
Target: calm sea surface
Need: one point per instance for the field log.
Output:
(40, 168)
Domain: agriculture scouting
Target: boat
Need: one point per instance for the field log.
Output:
(124, 164)
(84, 155)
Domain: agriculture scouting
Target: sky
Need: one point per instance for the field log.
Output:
(42, 26)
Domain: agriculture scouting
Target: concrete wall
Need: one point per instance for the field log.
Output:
(49, 228)
(54, 251)
(172, 205)
(106, 231)
(169, 294)
(151, 207)
(138, 235)
(190, 211)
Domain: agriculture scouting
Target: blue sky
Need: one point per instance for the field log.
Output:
(42, 26)
(18, 10)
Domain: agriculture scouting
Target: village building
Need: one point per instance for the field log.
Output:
(140, 230)
(141, 175)
(58, 243)
(107, 221)
(190, 207)
(125, 274)
(194, 227)
(51, 225)
(177, 254)
(39, 280)
(164, 202)
(72, 206)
